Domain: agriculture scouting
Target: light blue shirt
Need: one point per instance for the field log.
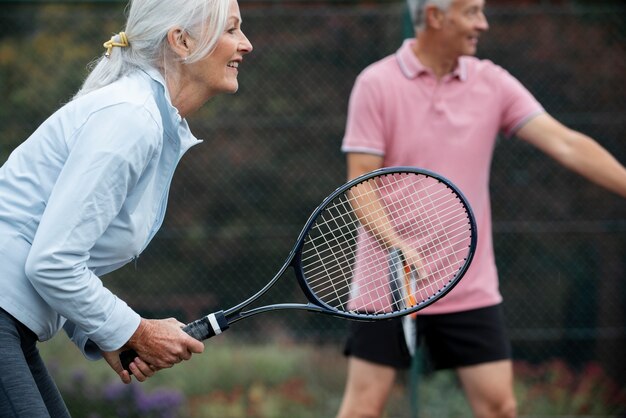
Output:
(81, 197)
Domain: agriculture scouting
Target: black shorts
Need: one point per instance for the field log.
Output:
(449, 340)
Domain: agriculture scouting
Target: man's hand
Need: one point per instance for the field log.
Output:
(414, 259)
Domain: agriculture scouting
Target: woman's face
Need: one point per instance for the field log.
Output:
(217, 72)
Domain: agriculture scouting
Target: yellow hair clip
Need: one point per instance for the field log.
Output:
(111, 43)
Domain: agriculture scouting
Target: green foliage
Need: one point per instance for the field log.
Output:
(236, 379)
(554, 388)
(43, 65)
(116, 400)
(439, 395)
(229, 379)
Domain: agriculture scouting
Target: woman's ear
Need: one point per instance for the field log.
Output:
(180, 42)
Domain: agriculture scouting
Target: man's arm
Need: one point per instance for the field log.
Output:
(379, 227)
(575, 151)
(361, 163)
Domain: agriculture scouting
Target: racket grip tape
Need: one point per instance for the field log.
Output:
(200, 329)
(207, 327)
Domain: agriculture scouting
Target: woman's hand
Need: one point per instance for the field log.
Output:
(141, 370)
(161, 343)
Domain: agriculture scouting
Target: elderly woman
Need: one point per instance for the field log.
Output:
(85, 194)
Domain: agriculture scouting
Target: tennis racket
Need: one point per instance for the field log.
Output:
(341, 257)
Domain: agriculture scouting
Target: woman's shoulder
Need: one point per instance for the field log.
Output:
(133, 90)
(128, 100)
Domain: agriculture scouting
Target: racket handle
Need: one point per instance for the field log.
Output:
(200, 329)
(127, 357)
(207, 327)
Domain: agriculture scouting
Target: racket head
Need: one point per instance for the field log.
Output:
(342, 261)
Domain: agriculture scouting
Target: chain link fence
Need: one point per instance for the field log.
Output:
(272, 152)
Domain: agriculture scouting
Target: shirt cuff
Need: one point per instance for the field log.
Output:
(118, 328)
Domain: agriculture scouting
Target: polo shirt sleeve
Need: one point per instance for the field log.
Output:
(106, 157)
(364, 125)
(518, 104)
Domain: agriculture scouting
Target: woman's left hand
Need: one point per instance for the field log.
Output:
(141, 370)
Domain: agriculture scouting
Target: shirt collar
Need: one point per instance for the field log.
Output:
(179, 124)
(158, 77)
(411, 66)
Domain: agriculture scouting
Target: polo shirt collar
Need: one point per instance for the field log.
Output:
(411, 66)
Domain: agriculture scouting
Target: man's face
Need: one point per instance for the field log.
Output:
(462, 25)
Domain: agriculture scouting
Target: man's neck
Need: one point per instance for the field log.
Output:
(434, 56)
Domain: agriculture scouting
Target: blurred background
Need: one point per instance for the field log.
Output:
(271, 153)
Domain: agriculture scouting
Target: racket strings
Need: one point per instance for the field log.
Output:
(380, 292)
(461, 219)
(462, 216)
(428, 253)
(422, 209)
(341, 205)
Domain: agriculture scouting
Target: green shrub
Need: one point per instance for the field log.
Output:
(236, 379)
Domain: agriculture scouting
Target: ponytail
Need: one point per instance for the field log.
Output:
(143, 43)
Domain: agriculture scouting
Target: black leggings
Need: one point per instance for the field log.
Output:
(26, 388)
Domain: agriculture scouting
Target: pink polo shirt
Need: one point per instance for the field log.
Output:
(400, 111)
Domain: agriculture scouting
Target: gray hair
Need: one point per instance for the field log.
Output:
(146, 30)
(417, 7)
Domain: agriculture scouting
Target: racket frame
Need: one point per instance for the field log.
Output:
(237, 313)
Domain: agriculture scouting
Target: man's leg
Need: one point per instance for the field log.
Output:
(367, 389)
(474, 343)
(489, 389)
(375, 351)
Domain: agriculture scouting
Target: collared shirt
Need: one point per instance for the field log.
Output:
(81, 197)
(399, 110)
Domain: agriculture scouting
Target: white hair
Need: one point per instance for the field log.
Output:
(146, 30)
(417, 7)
